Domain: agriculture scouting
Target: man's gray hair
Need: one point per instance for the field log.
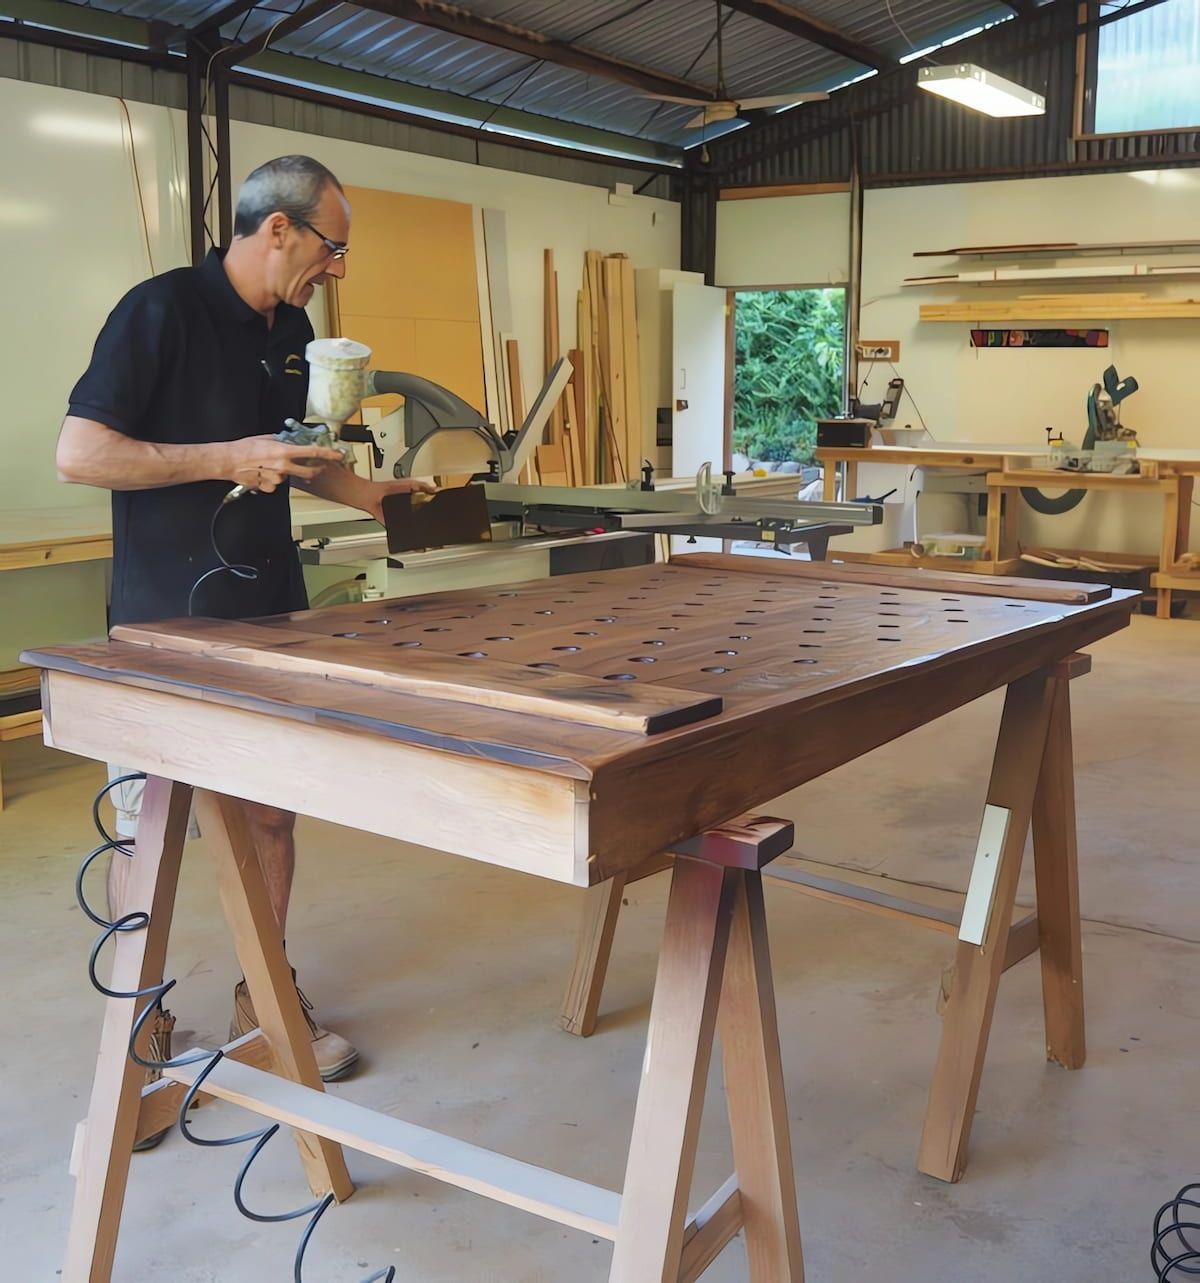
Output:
(291, 185)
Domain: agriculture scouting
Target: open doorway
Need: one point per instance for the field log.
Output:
(789, 371)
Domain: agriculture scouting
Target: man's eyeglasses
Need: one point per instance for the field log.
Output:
(337, 249)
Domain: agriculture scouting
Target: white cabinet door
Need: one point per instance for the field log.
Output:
(698, 388)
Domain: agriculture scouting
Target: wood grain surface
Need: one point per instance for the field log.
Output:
(811, 670)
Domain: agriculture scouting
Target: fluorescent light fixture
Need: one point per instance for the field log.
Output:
(981, 90)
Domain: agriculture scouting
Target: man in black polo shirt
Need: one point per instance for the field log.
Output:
(192, 375)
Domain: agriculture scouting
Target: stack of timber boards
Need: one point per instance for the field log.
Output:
(595, 434)
(610, 367)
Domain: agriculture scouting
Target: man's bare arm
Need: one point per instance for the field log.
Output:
(91, 454)
(340, 485)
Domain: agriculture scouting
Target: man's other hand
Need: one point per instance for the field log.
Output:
(406, 485)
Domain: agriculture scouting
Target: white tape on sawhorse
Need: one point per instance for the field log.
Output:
(982, 889)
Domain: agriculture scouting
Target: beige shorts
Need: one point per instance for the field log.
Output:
(127, 802)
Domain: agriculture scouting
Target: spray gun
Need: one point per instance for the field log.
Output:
(337, 382)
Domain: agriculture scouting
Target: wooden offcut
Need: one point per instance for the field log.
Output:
(484, 683)
(1075, 309)
(550, 338)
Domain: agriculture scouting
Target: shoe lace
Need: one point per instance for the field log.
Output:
(306, 1007)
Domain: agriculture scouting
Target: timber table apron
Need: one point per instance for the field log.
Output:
(572, 728)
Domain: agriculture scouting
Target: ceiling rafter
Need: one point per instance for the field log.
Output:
(227, 13)
(461, 22)
(814, 30)
(231, 55)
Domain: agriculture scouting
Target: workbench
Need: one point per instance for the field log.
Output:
(1172, 480)
(951, 458)
(1169, 473)
(571, 728)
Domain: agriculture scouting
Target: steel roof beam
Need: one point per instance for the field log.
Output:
(231, 55)
(460, 22)
(816, 32)
(228, 13)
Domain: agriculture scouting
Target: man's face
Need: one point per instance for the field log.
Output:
(304, 260)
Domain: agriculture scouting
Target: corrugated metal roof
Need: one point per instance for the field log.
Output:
(671, 36)
(907, 136)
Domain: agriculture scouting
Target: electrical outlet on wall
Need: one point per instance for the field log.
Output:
(877, 349)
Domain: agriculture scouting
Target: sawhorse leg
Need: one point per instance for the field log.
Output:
(268, 977)
(593, 947)
(104, 1142)
(1056, 867)
(967, 1015)
(714, 961)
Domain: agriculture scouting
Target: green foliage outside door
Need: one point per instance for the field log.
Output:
(789, 370)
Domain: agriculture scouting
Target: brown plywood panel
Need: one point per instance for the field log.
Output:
(447, 352)
(413, 256)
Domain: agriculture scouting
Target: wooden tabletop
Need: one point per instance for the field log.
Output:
(670, 697)
(31, 537)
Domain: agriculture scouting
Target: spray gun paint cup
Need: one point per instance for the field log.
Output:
(337, 380)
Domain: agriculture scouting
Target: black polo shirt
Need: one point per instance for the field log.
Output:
(184, 360)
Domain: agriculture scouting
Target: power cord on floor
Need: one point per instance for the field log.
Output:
(154, 995)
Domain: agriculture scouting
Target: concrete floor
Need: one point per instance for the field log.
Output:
(448, 975)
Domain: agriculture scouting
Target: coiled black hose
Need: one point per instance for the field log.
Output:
(154, 995)
(1174, 1255)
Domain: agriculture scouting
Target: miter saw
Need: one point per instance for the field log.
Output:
(1108, 446)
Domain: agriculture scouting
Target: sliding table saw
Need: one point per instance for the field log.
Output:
(540, 531)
